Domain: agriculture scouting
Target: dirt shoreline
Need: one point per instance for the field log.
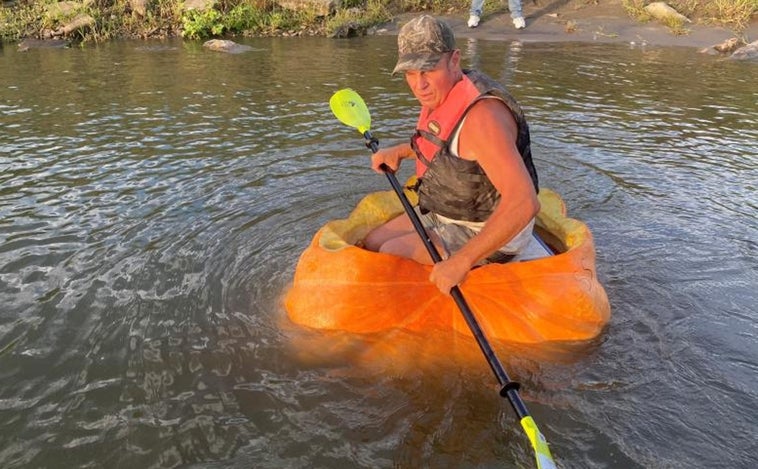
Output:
(608, 22)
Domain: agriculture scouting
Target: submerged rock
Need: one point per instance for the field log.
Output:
(31, 43)
(748, 52)
(223, 45)
(349, 29)
(726, 47)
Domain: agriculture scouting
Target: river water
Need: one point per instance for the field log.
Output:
(155, 197)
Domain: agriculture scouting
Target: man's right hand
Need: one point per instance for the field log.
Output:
(390, 157)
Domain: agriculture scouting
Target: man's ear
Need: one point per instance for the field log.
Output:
(455, 58)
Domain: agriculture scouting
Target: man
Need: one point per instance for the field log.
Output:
(478, 186)
(514, 6)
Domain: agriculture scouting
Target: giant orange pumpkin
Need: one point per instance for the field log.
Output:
(340, 286)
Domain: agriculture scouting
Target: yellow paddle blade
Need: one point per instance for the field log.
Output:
(349, 108)
(541, 451)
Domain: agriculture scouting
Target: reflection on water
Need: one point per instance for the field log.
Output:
(155, 197)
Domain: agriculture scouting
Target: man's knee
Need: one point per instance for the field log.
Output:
(375, 239)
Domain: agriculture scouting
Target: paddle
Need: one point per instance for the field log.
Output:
(351, 110)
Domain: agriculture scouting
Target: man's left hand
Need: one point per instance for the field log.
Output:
(449, 273)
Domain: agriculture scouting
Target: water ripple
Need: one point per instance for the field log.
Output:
(153, 207)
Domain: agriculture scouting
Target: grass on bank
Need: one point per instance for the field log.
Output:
(735, 14)
(166, 18)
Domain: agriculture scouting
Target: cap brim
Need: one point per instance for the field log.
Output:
(416, 62)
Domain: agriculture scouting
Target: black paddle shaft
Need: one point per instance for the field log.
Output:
(509, 388)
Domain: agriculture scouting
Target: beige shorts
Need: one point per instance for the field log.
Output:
(455, 233)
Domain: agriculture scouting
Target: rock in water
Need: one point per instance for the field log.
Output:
(748, 52)
(224, 45)
(32, 43)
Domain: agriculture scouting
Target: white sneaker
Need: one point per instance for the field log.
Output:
(519, 23)
(473, 21)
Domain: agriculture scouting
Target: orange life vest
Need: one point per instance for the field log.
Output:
(435, 126)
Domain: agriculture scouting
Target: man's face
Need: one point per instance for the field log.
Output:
(431, 87)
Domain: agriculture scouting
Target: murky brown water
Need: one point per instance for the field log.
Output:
(155, 197)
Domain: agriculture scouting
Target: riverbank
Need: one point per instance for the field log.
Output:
(566, 21)
(622, 21)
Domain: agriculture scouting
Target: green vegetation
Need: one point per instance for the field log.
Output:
(106, 19)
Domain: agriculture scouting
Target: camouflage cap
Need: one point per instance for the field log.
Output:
(421, 43)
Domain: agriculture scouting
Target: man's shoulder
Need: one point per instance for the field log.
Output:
(482, 80)
(486, 107)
